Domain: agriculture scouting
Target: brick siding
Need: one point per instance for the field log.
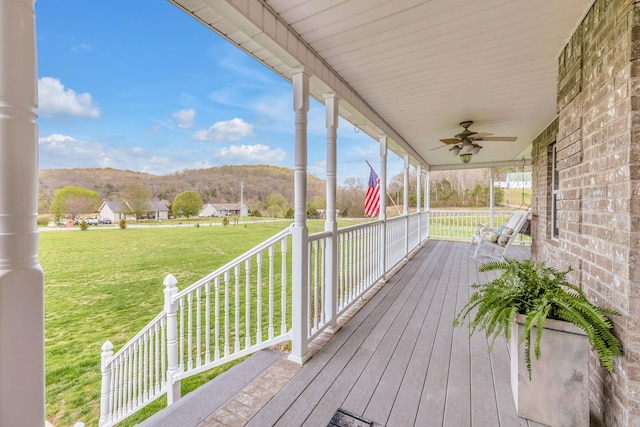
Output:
(597, 137)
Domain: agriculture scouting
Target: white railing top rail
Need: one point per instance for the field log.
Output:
(319, 236)
(353, 227)
(242, 258)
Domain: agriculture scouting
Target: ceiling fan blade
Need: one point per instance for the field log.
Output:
(451, 141)
(498, 138)
(480, 135)
(437, 148)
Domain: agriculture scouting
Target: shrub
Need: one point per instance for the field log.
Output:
(122, 223)
(83, 225)
(225, 221)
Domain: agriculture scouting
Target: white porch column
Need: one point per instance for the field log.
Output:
(383, 177)
(405, 204)
(491, 202)
(418, 190)
(300, 258)
(331, 287)
(383, 204)
(427, 197)
(418, 187)
(405, 201)
(21, 280)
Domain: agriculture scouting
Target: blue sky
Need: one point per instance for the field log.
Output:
(139, 85)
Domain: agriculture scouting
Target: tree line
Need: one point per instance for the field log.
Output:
(268, 191)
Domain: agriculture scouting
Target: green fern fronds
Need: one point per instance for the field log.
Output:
(539, 292)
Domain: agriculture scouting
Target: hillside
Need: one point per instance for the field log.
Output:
(215, 185)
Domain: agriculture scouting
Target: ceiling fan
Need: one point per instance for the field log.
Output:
(467, 140)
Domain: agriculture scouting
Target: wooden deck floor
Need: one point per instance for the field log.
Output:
(400, 362)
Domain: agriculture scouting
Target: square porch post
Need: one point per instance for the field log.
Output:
(300, 252)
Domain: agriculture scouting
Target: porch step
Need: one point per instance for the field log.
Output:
(199, 405)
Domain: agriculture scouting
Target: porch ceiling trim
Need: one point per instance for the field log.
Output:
(255, 28)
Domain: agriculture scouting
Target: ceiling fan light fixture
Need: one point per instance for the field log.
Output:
(456, 149)
(466, 157)
(476, 149)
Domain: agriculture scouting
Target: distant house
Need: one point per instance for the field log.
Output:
(160, 210)
(224, 209)
(518, 180)
(110, 210)
(114, 211)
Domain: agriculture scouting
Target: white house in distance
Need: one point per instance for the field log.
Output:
(224, 209)
(113, 211)
(516, 180)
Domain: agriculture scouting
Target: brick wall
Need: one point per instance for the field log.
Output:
(598, 160)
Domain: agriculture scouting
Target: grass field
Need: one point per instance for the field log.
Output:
(106, 284)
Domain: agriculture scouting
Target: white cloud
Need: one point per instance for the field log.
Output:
(247, 154)
(54, 100)
(56, 140)
(153, 130)
(62, 151)
(81, 47)
(230, 130)
(184, 118)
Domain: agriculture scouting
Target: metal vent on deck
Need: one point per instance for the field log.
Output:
(343, 418)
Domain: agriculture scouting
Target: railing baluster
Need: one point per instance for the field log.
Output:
(190, 332)
(181, 336)
(247, 305)
(271, 296)
(198, 329)
(207, 324)
(156, 365)
(283, 288)
(163, 354)
(216, 350)
(236, 328)
(259, 299)
(146, 367)
(323, 281)
(121, 377)
(311, 297)
(139, 389)
(113, 387)
(129, 378)
(226, 313)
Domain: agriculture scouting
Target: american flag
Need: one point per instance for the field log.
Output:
(372, 198)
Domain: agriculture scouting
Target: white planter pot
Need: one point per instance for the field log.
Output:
(558, 393)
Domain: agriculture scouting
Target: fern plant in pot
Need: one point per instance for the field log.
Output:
(534, 307)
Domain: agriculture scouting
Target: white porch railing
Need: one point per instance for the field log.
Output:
(236, 310)
(461, 224)
(245, 305)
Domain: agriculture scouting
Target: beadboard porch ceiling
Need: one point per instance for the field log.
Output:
(418, 67)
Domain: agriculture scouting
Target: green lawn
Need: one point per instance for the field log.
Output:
(106, 284)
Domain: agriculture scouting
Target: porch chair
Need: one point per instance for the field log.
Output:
(495, 242)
